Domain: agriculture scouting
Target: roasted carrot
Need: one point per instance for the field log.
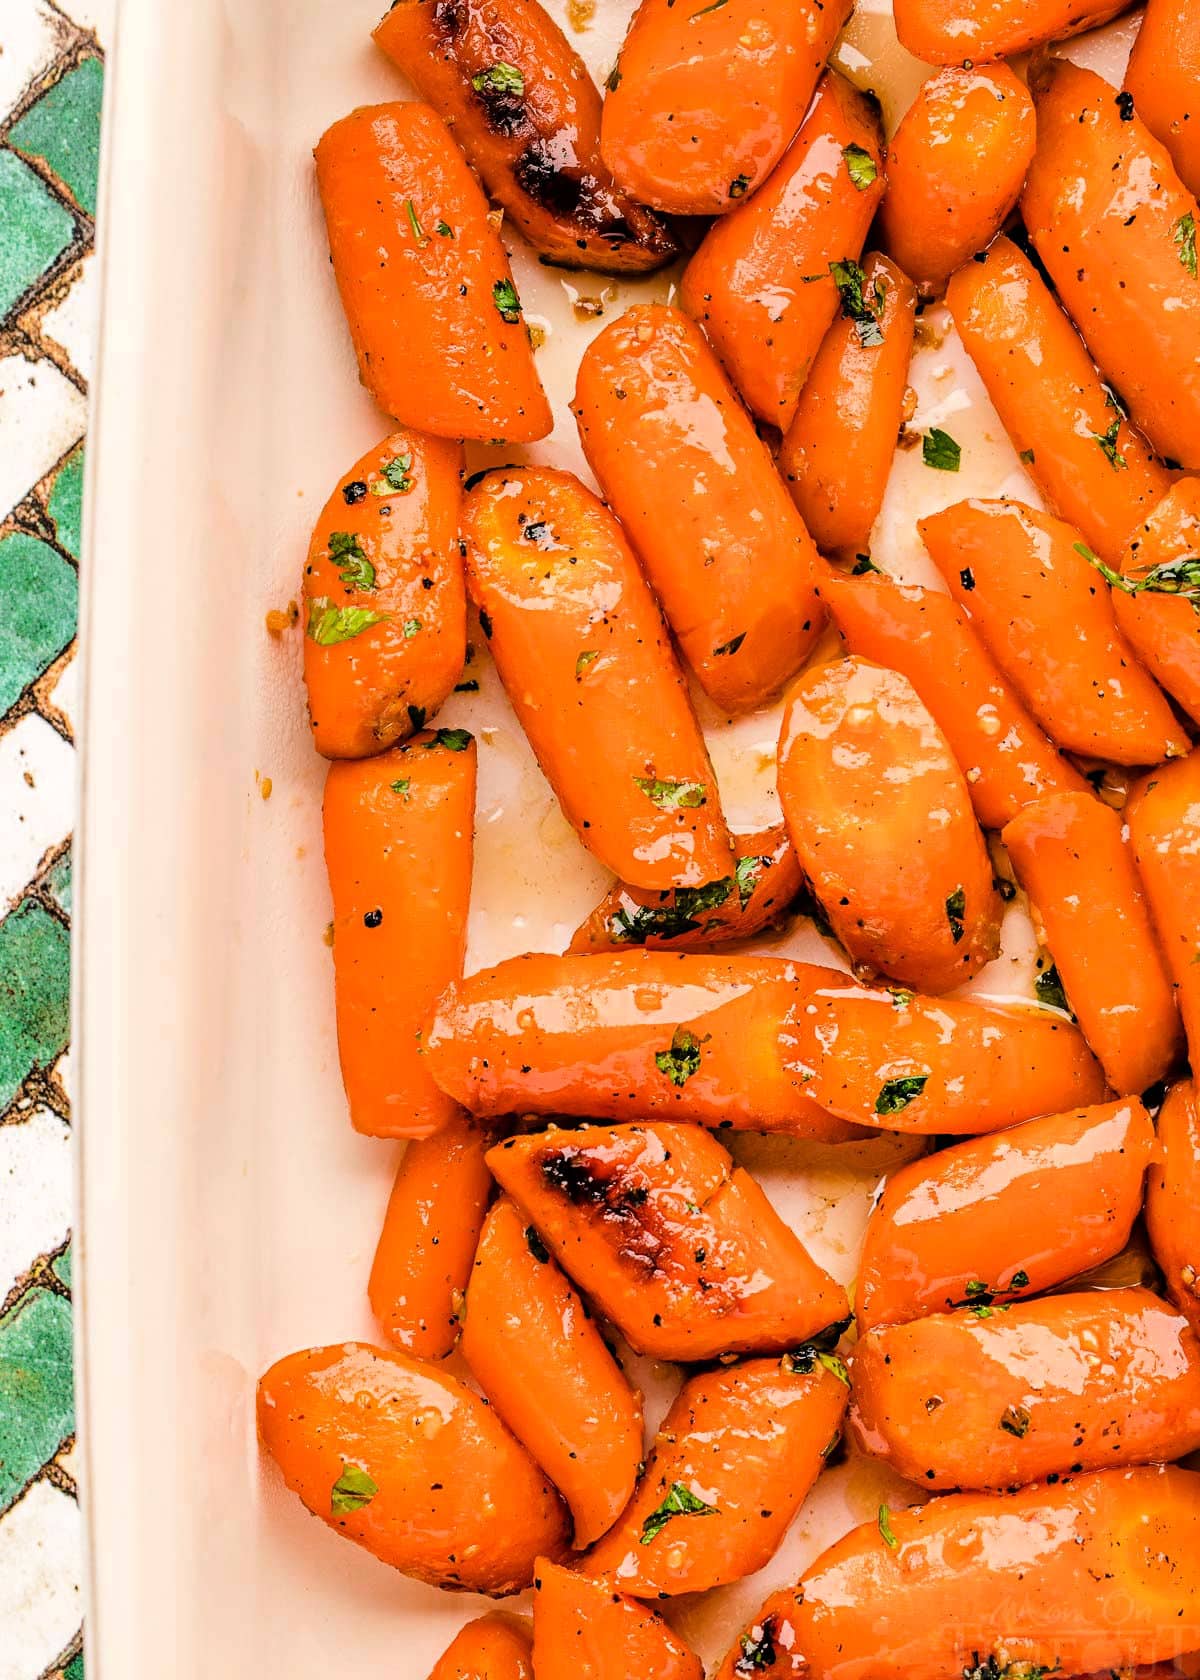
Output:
(1162, 77)
(704, 98)
(495, 1647)
(767, 280)
(583, 653)
(731, 1465)
(541, 1361)
(524, 109)
(583, 1630)
(427, 1244)
(993, 1218)
(1052, 402)
(977, 31)
(398, 848)
(405, 1460)
(839, 449)
(1173, 1200)
(425, 282)
(1025, 581)
(1071, 857)
(1163, 815)
(676, 1245)
(1161, 562)
(682, 467)
(1116, 229)
(861, 767)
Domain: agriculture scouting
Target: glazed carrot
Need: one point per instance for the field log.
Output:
(1163, 815)
(495, 1647)
(1025, 583)
(1173, 1200)
(1165, 632)
(861, 767)
(425, 282)
(1162, 76)
(684, 470)
(976, 31)
(405, 1460)
(913, 1064)
(674, 1244)
(398, 848)
(731, 1465)
(583, 653)
(1051, 400)
(1071, 857)
(583, 1630)
(838, 450)
(1116, 229)
(705, 98)
(541, 1361)
(385, 603)
(995, 1217)
(522, 106)
(427, 1244)
(955, 169)
(767, 280)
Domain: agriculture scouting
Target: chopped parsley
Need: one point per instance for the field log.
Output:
(636, 924)
(444, 230)
(354, 569)
(588, 657)
(1107, 441)
(1183, 232)
(504, 296)
(411, 627)
(885, 1528)
(352, 1490)
(499, 78)
(1172, 577)
(804, 1359)
(864, 311)
(455, 740)
(757, 1654)
(896, 1094)
(940, 450)
(396, 475)
(329, 624)
(863, 563)
(1016, 1420)
(680, 1502)
(1048, 989)
(402, 786)
(682, 1060)
(860, 166)
(673, 796)
(747, 873)
(418, 232)
(956, 909)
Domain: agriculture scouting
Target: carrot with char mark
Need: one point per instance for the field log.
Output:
(584, 1630)
(495, 1647)
(1173, 1200)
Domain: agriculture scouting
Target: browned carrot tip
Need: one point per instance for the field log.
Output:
(1162, 76)
(1173, 1200)
(1163, 815)
(583, 1630)
(495, 1647)
(948, 32)
(1156, 606)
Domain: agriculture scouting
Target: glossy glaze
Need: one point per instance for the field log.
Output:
(1164, 631)
(1173, 1200)
(495, 1647)
(976, 31)
(1163, 75)
(583, 1630)
(1163, 814)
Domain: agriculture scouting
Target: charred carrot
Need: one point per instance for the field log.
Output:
(976, 31)
(584, 1630)
(1162, 562)
(1173, 1200)
(495, 1647)
(1163, 815)
(1162, 77)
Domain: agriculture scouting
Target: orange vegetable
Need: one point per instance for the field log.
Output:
(1051, 400)
(398, 846)
(1162, 75)
(495, 1647)
(975, 31)
(1163, 630)
(538, 1356)
(766, 282)
(732, 1463)
(674, 1244)
(995, 1217)
(405, 1460)
(861, 767)
(1070, 855)
(1163, 815)
(434, 316)
(838, 450)
(682, 467)
(582, 1630)
(705, 98)
(1024, 581)
(1173, 1199)
(584, 655)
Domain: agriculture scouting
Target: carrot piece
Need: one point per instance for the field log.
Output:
(676, 1245)
(435, 317)
(1164, 631)
(861, 766)
(542, 1363)
(398, 847)
(704, 99)
(1004, 756)
(1173, 1199)
(583, 1630)
(405, 1460)
(522, 106)
(767, 280)
(951, 32)
(1162, 76)
(583, 653)
(1024, 580)
(1070, 855)
(732, 1463)
(1051, 401)
(838, 450)
(495, 1647)
(1163, 814)
(1116, 229)
(684, 470)
(995, 1217)
(432, 1224)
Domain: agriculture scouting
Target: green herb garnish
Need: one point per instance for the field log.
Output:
(1183, 232)
(682, 1060)
(865, 311)
(418, 232)
(352, 1490)
(1048, 989)
(328, 624)
(896, 1094)
(956, 909)
(504, 296)
(1107, 440)
(500, 78)
(673, 796)
(346, 552)
(940, 450)
(860, 166)
(636, 924)
(454, 740)
(680, 1502)
(885, 1528)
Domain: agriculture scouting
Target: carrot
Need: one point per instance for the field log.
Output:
(1173, 1199)
(1116, 229)
(385, 603)
(1163, 814)
(495, 1647)
(541, 1361)
(522, 106)
(427, 1244)
(674, 1244)
(704, 98)
(1026, 582)
(584, 655)
(861, 767)
(583, 1630)
(405, 1460)
(732, 1463)
(1070, 855)
(1006, 759)
(1052, 402)
(838, 450)
(974, 32)
(425, 282)
(398, 848)
(682, 467)
(1161, 77)
(996, 1217)
(767, 280)
(1161, 561)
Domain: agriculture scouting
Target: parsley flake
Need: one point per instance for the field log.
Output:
(353, 1489)
(455, 740)
(885, 1528)
(402, 786)
(865, 311)
(673, 796)
(677, 914)
(860, 166)
(504, 296)
(411, 627)
(956, 907)
(396, 476)
(500, 78)
(757, 1653)
(328, 624)
(1048, 989)
(747, 873)
(1183, 232)
(896, 1094)
(680, 1502)
(418, 232)
(940, 450)
(1107, 440)
(354, 569)
(682, 1060)
(588, 657)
